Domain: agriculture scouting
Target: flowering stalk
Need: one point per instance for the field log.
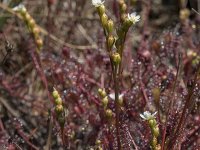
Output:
(150, 118)
(59, 109)
(115, 53)
(30, 22)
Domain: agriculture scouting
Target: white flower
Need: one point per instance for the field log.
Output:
(133, 17)
(147, 115)
(97, 3)
(20, 7)
(112, 96)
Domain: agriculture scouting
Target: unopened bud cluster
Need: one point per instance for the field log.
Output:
(107, 24)
(59, 108)
(155, 133)
(104, 101)
(123, 9)
(104, 97)
(31, 24)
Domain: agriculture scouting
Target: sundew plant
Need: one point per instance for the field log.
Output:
(99, 75)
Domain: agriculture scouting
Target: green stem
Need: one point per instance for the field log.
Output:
(117, 109)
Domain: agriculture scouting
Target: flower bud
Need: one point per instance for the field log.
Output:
(120, 101)
(184, 14)
(123, 17)
(116, 58)
(36, 31)
(102, 93)
(23, 12)
(101, 10)
(123, 7)
(110, 26)
(55, 94)
(121, 2)
(158, 147)
(105, 101)
(154, 141)
(109, 113)
(104, 20)
(58, 101)
(98, 142)
(156, 131)
(27, 17)
(100, 148)
(152, 123)
(59, 109)
(111, 41)
(39, 43)
(31, 23)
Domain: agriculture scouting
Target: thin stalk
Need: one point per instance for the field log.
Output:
(115, 73)
(171, 103)
(117, 109)
(121, 52)
(186, 106)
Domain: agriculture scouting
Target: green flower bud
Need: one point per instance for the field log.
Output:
(102, 93)
(111, 41)
(104, 20)
(184, 14)
(154, 142)
(105, 101)
(109, 113)
(116, 58)
(152, 123)
(120, 101)
(101, 10)
(39, 43)
(123, 7)
(23, 12)
(59, 109)
(31, 23)
(27, 17)
(36, 31)
(55, 94)
(158, 147)
(100, 148)
(121, 2)
(123, 17)
(58, 101)
(110, 26)
(156, 131)
(98, 142)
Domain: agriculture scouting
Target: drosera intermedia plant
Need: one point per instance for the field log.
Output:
(146, 81)
(115, 40)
